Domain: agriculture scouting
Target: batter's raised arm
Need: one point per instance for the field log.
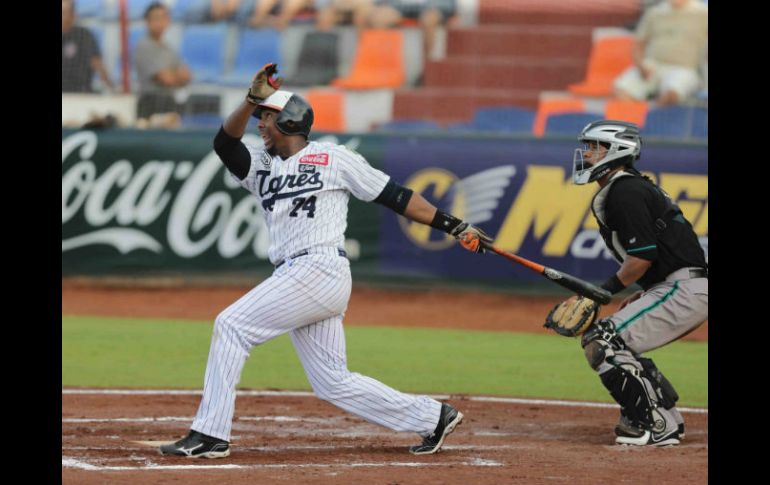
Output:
(414, 206)
(227, 143)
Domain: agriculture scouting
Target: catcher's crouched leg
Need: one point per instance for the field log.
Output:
(667, 395)
(624, 377)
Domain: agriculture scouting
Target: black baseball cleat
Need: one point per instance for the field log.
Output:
(447, 421)
(680, 430)
(197, 445)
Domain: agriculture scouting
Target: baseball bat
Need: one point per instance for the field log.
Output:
(570, 282)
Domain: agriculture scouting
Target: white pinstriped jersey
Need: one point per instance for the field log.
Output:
(305, 197)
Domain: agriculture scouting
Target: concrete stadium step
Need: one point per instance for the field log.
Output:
(598, 13)
(505, 72)
(448, 105)
(521, 40)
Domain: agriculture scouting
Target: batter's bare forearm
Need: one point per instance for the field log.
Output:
(235, 124)
(420, 210)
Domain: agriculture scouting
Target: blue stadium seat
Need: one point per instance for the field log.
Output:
(700, 124)
(203, 49)
(669, 122)
(256, 47)
(409, 126)
(569, 123)
(190, 11)
(508, 120)
(89, 8)
(244, 12)
(461, 127)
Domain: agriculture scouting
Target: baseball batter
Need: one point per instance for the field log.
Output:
(657, 249)
(303, 187)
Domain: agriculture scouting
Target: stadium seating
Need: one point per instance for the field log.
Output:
(700, 124)
(610, 56)
(328, 109)
(135, 11)
(409, 126)
(379, 61)
(504, 119)
(89, 8)
(569, 124)
(190, 11)
(256, 47)
(627, 110)
(318, 60)
(203, 49)
(669, 122)
(549, 106)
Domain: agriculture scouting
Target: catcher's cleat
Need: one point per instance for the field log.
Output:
(197, 445)
(641, 437)
(625, 428)
(447, 421)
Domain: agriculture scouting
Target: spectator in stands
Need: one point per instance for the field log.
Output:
(80, 55)
(671, 41)
(277, 13)
(342, 12)
(211, 11)
(431, 14)
(223, 9)
(159, 70)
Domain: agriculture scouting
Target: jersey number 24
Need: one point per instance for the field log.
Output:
(301, 203)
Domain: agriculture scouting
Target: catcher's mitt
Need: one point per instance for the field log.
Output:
(572, 317)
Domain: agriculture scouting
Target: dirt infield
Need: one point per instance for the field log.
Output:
(296, 438)
(302, 440)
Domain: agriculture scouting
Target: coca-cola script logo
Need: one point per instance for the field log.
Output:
(196, 216)
(316, 159)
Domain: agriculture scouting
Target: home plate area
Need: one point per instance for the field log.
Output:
(113, 437)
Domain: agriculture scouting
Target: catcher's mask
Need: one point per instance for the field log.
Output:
(623, 144)
(295, 115)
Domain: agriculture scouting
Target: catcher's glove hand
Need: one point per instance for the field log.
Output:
(264, 84)
(573, 316)
(471, 237)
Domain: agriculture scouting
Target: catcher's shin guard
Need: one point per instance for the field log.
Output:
(633, 392)
(667, 395)
(623, 376)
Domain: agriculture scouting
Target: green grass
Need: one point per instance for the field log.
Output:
(119, 352)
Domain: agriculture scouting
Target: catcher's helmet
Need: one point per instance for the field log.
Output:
(295, 115)
(623, 144)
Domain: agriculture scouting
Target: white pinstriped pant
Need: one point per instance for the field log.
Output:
(307, 297)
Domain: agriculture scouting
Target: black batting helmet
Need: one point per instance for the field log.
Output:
(295, 115)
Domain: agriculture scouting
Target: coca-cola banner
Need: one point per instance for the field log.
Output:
(139, 202)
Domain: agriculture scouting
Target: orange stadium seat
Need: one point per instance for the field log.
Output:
(379, 61)
(627, 110)
(547, 107)
(328, 109)
(609, 57)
